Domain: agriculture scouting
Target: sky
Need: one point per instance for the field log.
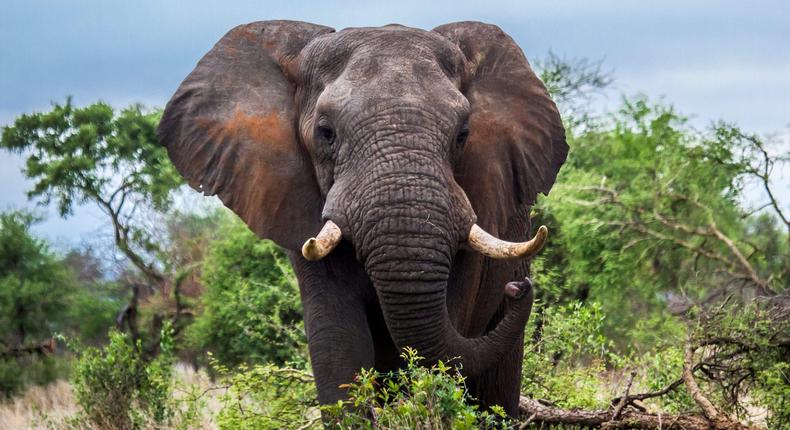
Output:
(712, 60)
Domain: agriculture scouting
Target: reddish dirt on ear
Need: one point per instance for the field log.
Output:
(269, 128)
(266, 129)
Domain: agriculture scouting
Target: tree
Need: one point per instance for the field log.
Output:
(111, 159)
(573, 84)
(93, 154)
(34, 286)
(650, 213)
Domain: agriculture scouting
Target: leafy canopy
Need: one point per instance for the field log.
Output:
(90, 153)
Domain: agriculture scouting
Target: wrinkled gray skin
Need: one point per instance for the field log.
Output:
(292, 124)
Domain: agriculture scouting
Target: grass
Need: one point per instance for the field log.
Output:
(48, 407)
(37, 406)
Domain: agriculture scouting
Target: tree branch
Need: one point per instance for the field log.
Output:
(42, 349)
(707, 407)
(629, 419)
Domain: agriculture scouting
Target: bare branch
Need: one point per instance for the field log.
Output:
(619, 408)
(707, 407)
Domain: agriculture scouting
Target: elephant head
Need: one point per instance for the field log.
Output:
(398, 140)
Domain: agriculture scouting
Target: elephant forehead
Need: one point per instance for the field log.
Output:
(369, 50)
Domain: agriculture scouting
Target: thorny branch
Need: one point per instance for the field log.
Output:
(763, 172)
(736, 263)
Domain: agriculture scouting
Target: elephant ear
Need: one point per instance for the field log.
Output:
(230, 130)
(516, 141)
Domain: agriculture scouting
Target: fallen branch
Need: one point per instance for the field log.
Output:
(628, 419)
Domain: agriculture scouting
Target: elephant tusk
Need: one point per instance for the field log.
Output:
(320, 246)
(490, 246)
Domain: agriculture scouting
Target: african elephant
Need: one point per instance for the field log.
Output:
(403, 147)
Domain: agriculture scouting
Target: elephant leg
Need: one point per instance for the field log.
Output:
(338, 336)
(337, 351)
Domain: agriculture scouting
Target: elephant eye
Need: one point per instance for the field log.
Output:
(324, 133)
(463, 134)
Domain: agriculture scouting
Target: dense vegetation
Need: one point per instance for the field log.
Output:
(663, 291)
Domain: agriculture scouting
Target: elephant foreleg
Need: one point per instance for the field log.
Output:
(338, 336)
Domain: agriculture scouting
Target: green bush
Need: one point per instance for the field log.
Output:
(774, 392)
(662, 368)
(267, 397)
(116, 388)
(251, 308)
(35, 290)
(566, 355)
(412, 398)
(10, 376)
(276, 397)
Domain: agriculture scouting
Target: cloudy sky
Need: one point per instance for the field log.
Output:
(711, 59)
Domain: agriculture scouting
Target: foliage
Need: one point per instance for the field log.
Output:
(281, 397)
(661, 369)
(117, 388)
(744, 355)
(267, 397)
(251, 307)
(774, 391)
(110, 159)
(113, 160)
(33, 283)
(570, 353)
(412, 398)
(573, 83)
(647, 220)
(650, 219)
(82, 154)
(35, 290)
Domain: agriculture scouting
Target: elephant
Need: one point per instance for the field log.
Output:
(414, 155)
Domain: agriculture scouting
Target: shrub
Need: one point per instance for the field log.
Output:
(281, 397)
(251, 308)
(10, 376)
(117, 388)
(567, 354)
(267, 397)
(412, 398)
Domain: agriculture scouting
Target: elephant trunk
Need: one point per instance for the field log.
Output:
(416, 315)
(408, 253)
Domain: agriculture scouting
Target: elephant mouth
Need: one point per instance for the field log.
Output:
(478, 240)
